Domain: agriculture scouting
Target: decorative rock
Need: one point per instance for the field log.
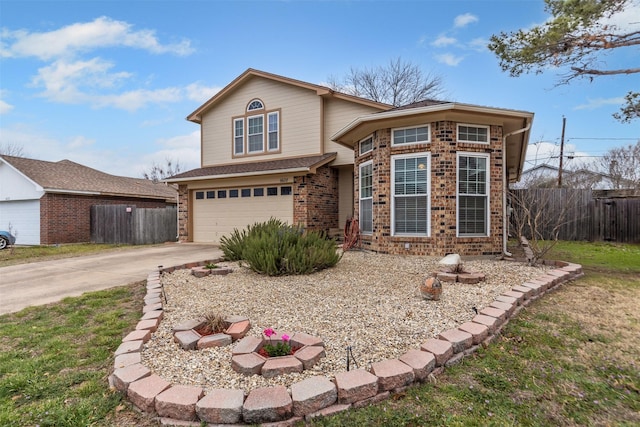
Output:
(215, 340)
(392, 374)
(312, 394)
(238, 330)
(451, 262)
(478, 332)
(267, 404)
(122, 377)
(179, 402)
(431, 289)
(309, 355)
(234, 318)
(441, 350)
(247, 364)
(143, 392)
(421, 362)
(247, 345)
(356, 385)
(275, 366)
(221, 406)
(188, 340)
(460, 340)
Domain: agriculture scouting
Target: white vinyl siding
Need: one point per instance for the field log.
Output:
(473, 133)
(366, 197)
(473, 194)
(410, 135)
(410, 194)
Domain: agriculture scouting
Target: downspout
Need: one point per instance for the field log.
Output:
(505, 186)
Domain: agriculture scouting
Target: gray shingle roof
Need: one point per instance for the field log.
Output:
(298, 163)
(68, 176)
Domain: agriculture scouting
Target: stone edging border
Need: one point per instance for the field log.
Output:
(314, 396)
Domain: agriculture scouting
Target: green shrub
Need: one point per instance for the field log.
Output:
(275, 248)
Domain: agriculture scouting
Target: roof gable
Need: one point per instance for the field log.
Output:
(251, 73)
(66, 176)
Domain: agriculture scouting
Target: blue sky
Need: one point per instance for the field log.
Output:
(109, 83)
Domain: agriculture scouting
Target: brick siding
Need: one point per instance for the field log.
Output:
(65, 218)
(315, 199)
(443, 150)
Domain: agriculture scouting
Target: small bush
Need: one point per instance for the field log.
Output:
(275, 248)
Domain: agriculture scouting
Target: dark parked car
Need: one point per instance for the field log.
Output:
(6, 239)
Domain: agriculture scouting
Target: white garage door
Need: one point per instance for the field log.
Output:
(218, 211)
(24, 217)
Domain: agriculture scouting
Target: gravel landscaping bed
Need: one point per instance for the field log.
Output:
(367, 301)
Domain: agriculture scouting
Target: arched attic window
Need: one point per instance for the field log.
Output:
(254, 105)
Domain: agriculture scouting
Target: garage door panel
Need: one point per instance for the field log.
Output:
(24, 217)
(214, 218)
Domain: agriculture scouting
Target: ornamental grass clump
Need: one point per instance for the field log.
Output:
(275, 248)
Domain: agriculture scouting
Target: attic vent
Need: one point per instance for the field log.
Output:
(256, 104)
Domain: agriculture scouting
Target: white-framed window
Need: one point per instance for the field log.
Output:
(411, 135)
(258, 131)
(366, 197)
(273, 131)
(366, 145)
(255, 134)
(238, 136)
(410, 202)
(255, 104)
(473, 133)
(473, 194)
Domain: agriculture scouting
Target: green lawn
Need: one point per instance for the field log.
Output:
(26, 254)
(570, 358)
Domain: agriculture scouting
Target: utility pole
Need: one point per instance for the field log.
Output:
(564, 122)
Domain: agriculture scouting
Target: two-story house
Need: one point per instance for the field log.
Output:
(428, 178)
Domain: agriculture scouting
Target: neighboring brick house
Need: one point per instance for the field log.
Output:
(49, 202)
(278, 147)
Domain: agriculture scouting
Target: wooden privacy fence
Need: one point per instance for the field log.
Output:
(578, 215)
(124, 224)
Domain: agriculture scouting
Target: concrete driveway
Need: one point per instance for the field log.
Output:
(49, 281)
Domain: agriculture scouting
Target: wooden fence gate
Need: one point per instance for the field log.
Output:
(124, 224)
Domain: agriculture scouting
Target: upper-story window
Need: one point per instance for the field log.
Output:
(411, 135)
(249, 133)
(473, 133)
(256, 104)
(366, 145)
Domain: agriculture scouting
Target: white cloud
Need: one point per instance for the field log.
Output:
(442, 41)
(80, 141)
(5, 107)
(449, 59)
(67, 41)
(200, 93)
(464, 20)
(136, 99)
(627, 20)
(182, 149)
(596, 103)
(479, 44)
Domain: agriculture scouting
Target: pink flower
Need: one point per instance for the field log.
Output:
(268, 332)
(285, 337)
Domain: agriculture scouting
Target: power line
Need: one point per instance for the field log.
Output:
(609, 139)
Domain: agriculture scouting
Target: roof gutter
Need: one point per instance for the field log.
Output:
(505, 185)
